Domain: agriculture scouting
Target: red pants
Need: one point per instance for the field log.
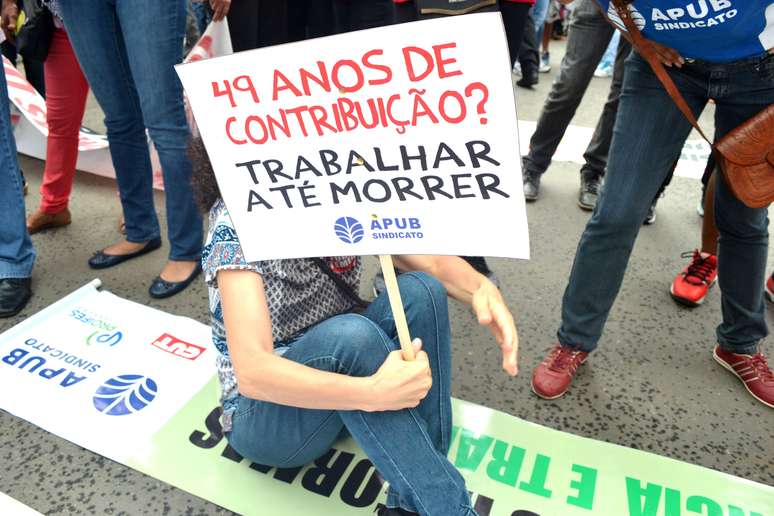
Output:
(66, 91)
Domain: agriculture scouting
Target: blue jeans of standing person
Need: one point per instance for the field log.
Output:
(127, 50)
(539, 13)
(408, 446)
(17, 255)
(649, 133)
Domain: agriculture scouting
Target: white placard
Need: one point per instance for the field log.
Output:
(395, 140)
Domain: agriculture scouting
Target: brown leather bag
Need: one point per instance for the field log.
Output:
(745, 155)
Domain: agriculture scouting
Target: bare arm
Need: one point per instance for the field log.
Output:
(262, 375)
(463, 283)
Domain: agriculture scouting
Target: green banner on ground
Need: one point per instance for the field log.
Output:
(513, 467)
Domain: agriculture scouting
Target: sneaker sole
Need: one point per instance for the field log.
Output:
(549, 398)
(687, 302)
(731, 370)
(585, 207)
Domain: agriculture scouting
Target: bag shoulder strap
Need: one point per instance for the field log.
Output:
(340, 283)
(645, 49)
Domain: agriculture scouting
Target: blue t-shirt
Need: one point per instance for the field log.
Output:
(711, 30)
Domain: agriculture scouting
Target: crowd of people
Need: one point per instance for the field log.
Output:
(301, 358)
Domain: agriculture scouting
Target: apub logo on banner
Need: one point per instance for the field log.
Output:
(395, 140)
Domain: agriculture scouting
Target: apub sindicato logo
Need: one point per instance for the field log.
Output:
(349, 230)
(125, 394)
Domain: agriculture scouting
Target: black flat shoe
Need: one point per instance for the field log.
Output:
(14, 294)
(160, 288)
(100, 260)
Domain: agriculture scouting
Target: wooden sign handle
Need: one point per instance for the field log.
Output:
(396, 304)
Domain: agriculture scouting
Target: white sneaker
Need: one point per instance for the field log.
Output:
(516, 69)
(545, 63)
(603, 71)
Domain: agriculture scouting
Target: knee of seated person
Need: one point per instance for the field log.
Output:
(366, 346)
(421, 288)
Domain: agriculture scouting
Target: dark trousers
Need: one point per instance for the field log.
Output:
(515, 18)
(588, 37)
(33, 70)
(262, 23)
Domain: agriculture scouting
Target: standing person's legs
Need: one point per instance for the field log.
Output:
(595, 155)
(743, 242)
(17, 256)
(95, 34)
(153, 32)
(352, 15)
(587, 39)
(515, 16)
(243, 24)
(529, 58)
(408, 446)
(741, 91)
(65, 104)
(641, 155)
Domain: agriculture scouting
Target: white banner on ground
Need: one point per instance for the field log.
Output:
(8, 505)
(118, 370)
(29, 112)
(395, 140)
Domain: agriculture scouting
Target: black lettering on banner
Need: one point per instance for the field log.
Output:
(212, 422)
(354, 493)
(324, 475)
(521, 512)
(231, 454)
(483, 505)
(287, 475)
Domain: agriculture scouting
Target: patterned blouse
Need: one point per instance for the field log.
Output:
(298, 294)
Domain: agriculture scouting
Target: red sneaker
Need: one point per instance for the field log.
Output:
(753, 371)
(770, 288)
(552, 377)
(690, 287)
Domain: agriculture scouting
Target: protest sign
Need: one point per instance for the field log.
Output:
(395, 140)
(151, 403)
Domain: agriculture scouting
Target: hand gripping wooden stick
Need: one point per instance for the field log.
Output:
(396, 304)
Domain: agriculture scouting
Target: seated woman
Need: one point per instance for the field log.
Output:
(299, 368)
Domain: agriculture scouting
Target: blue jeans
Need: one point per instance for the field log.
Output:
(16, 252)
(649, 133)
(127, 50)
(408, 446)
(539, 13)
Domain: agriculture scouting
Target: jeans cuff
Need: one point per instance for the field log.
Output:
(395, 501)
(16, 271)
(740, 349)
(580, 347)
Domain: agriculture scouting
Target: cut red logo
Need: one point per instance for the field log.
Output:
(178, 347)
